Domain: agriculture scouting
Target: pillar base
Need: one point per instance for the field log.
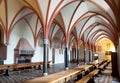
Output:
(45, 74)
(78, 65)
(66, 68)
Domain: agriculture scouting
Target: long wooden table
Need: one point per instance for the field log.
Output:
(3, 67)
(60, 77)
(56, 77)
(85, 67)
(21, 65)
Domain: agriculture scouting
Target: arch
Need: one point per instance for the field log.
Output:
(110, 19)
(113, 34)
(97, 31)
(113, 8)
(96, 24)
(97, 40)
(57, 32)
(74, 13)
(56, 22)
(55, 13)
(104, 36)
(61, 28)
(103, 9)
(106, 33)
(93, 46)
(89, 17)
(35, 35)
(41, 15)
(73, 39)
(92, 42)
(13, 23)
(96, 13)
(12, 26)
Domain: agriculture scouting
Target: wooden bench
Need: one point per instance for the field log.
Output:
(4, 68)
(102, 67)
(88, 77)
(104, 61)
(96, 63)
(21, 66)
(85, 70)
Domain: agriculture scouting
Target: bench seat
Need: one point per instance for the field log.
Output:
(86, 78)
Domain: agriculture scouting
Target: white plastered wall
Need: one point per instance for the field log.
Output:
(19, 31)
(87, 54)
(22, 30)
(59, 57)
(82, 52)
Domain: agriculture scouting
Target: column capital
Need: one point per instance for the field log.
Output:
(78, 47)
(46, 41)
(66, 45)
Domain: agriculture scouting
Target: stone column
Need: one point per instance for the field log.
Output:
(78, 56)
(45, 57)
(92, 56)
(66, 57)
(84, 55)
(89, 55)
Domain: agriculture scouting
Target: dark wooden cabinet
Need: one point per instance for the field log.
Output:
(114, 64)
(3, 52)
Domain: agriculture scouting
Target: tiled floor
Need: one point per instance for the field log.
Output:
(106, 77)
(20, 77)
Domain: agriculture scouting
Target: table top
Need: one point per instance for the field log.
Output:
(54, 77)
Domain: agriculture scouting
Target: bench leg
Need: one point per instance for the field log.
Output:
(7, 72)
(79, 76)
(91, 80)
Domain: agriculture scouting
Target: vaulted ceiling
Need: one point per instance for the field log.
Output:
(68, 21)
